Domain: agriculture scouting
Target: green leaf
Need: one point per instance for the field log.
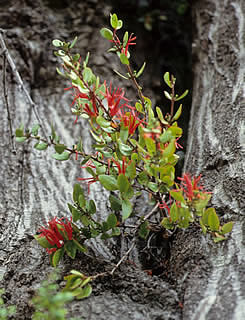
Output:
(143, 178)
(57, 43)
(79, 246)
(124, 59)
(120, 75)
(139, 73)
(174, 212)
(144, 230)
(153, 186)
(178, 113)
(81, 200)
(102, 122)
(159, 113)
(169, 151)
(131, 170)
(70, 249)
(61, 157)
(85, 220)
(76, 214)
(34, 129)
(129, 193)
(167, 95)
(166, 136)
(112, 221)
(139, 107)
(91, 207)
(57, 255)
(205, 216)
(20, 139)
(42, 241)
(87, 74)
(124, 133)
(226, 228)
(167, 224)
(114, 21)
(213, 220)
(176, 131)
(70, 207)
(124, 149)
(204, 229)
(59, 148)
(166, 78)
(202, 202)
(219, 238)
(119, 24)
(150, 145)
(115, 232)
(73, 42)
(85, 292)
(182, 96)
(116, 203)
(19, 132)
(126, 209)
(109, 182)
(125, 39)
(77, 191)
(41, 146)
(122, 183)
(178, 196)
(106, 33)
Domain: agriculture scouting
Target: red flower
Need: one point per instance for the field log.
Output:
(57, 231)
(191, 187)
(164, 205)
(77, 94)
(91, 110)
(130, 120)
(177, 145)
(121, 167)
(114, 99)
(89, 181)
(129, 43)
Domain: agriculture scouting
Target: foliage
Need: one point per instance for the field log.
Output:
(5, 312)
(134, 151)
(49, 303)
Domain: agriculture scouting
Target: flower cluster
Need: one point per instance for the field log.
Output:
(56, 233)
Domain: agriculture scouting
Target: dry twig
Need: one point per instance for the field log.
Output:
(6, 53)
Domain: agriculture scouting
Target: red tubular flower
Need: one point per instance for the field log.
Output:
(114, 99)
(121, 168)
(164, 205)
(190, 186)
(130, 120)
(92, 112)
(177, 145)
(129, 43)
(77, 94)
(57, 231)
(89, 181)
(89, 164)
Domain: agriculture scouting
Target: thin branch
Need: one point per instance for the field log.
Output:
(124, 256)
(106, 273)
(7, 104)
(19, 80)
(147, 216)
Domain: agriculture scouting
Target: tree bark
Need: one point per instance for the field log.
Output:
(206, 278)
(212, 275)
